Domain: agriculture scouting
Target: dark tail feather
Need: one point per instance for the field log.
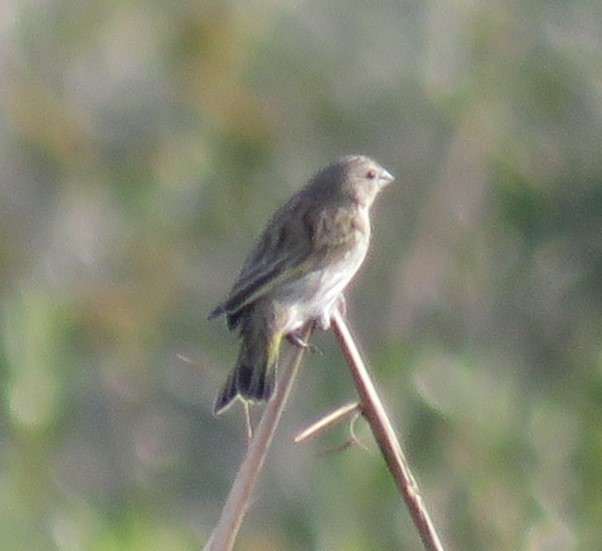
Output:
(232, 318)
(253, 378)
(216, 312)
(226, 395)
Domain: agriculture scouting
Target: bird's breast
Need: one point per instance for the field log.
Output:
(315, 295)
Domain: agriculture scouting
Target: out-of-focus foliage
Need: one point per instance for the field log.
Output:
(144, 143)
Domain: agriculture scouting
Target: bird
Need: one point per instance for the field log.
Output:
(297, 270)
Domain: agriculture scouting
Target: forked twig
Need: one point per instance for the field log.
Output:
(374, 412)
(239, 499)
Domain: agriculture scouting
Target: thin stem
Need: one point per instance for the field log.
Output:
(239, 499)
(374, 412)
(327, 421)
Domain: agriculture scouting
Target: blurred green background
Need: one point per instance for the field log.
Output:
(144, 144)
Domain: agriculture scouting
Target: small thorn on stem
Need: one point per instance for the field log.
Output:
(337, 449)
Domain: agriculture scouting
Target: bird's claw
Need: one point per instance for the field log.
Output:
(297, 341)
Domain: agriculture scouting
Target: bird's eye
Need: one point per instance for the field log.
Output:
(370, 175)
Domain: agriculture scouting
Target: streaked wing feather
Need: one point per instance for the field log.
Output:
(249, 291)
(290, 247)
(280, 255)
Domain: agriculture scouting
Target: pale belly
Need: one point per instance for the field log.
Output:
(316, 295)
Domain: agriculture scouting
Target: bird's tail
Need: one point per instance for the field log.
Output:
(254, 376)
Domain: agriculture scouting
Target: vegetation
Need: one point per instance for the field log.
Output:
(144, 144)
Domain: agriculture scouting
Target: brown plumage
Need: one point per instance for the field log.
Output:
(297, 271)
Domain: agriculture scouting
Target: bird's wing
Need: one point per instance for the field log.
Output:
(291, 246)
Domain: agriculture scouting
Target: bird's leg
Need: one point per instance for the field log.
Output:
(295, 339)
(325, 320)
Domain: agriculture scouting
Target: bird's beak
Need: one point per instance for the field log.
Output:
(386, 178)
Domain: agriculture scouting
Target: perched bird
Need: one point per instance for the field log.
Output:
(297, 271)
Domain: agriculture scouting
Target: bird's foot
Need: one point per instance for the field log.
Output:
(297, 341)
